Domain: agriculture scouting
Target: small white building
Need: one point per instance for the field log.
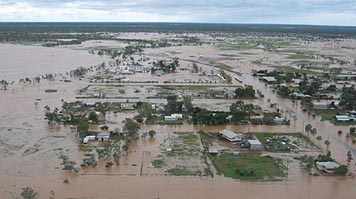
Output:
(103, 136)
(128, 106)
(255, 145)
(231, 136)
(170, 118)
(320, 105)
(177, 115)
(327, 167)
(173, 117)
(89, 103)
(213, 150)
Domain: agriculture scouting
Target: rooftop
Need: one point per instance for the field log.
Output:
(254, 142)
(228, 133)
(328, 165)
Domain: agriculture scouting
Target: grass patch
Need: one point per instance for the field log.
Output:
(182, 172)
(299, 56)
(249, 166)
(236, 46)
(221, 65)
(206, 139)
(158, 163)
(330, 116)
(277, 142)
(187, 145)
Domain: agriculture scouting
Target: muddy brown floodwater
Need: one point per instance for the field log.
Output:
(29, 151)
(19, 61)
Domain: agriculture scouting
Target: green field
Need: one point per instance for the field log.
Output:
(249, 166)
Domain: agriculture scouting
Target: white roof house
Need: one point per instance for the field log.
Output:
(328, 167)
(255, 145)
(170, 118)
(128, 106)
(231, 136)
(343, 118)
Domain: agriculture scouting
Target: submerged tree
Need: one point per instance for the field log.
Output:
(327, 143)
(4, 84)
(308, 128)
(29, 193)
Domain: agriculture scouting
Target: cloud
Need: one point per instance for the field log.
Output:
(323, 12)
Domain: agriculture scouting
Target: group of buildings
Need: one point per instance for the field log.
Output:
(238, 138)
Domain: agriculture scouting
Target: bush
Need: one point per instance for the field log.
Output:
(341, 170)
(29, 193)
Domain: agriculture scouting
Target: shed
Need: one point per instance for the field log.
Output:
(278, 120)
(255, 145)
(213, 150)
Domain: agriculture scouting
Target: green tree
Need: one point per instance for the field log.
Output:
(152, 133)
(51, 117)
(187, 101)
(308, 128)
(29, 193)
(352, 131)
(284, 91)
(348, 97)
(195, 68)
(83, 127)
(341, 170)
(327, 143)
(131, 127)
(313, 132)
(93, 117)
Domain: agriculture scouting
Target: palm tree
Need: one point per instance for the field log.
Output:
(313, 132)
(308, 128)
(327, 143)
(349, 157)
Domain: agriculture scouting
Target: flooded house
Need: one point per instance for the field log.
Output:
(327, 167)
(320, 105)
(128, 106)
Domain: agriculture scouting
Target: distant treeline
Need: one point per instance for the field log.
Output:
(16, 30)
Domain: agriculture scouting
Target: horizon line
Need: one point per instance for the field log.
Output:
(157, 22)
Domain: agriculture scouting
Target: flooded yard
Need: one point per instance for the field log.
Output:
(173, 164)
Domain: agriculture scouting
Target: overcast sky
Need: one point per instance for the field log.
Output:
(320, 12)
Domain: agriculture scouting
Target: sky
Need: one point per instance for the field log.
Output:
(312, 12)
